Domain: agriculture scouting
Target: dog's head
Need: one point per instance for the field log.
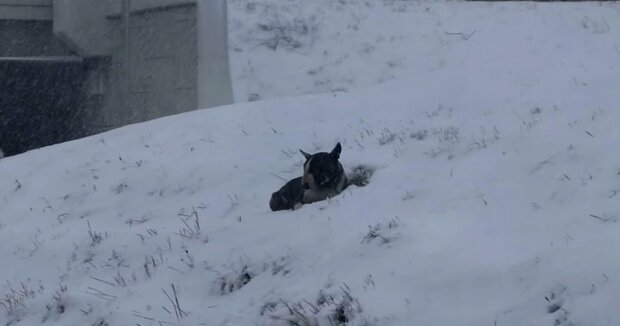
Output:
(322, 170)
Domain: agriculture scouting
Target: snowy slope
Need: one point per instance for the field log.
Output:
(493, 201)
(282, 48)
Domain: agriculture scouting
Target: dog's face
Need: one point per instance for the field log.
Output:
(322, 170)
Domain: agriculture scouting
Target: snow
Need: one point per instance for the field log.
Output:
(493, 200)
(337, 46)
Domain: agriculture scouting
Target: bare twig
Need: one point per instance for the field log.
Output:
(603, 219)
(140, 315)
(279, 177)
(95, 237)
(100, 294)
(102, 281)
(190, 231)
(462, 35)
(179, 313)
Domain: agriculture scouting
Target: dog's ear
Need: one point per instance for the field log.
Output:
(336, 151)
(306, 155)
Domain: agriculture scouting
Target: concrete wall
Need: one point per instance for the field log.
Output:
(26, 9)
(172, 57)
(41, 80)
(82, 24)
(115, 8)
(21, 38)
(176, 58)
(214, 82)
(87, 26)
(164, 62)
(161, 66)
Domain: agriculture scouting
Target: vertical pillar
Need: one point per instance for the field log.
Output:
(126, 75)
(214, 82)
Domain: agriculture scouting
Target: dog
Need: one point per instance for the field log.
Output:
(323, 178)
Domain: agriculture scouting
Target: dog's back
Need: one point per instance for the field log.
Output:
(290, 196)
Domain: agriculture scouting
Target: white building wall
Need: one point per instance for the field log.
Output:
(95, 28)
(177, 59)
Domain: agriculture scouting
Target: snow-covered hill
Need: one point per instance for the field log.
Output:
(494, 198)
(292, 47)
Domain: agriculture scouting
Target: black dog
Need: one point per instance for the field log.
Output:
(323, 178)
